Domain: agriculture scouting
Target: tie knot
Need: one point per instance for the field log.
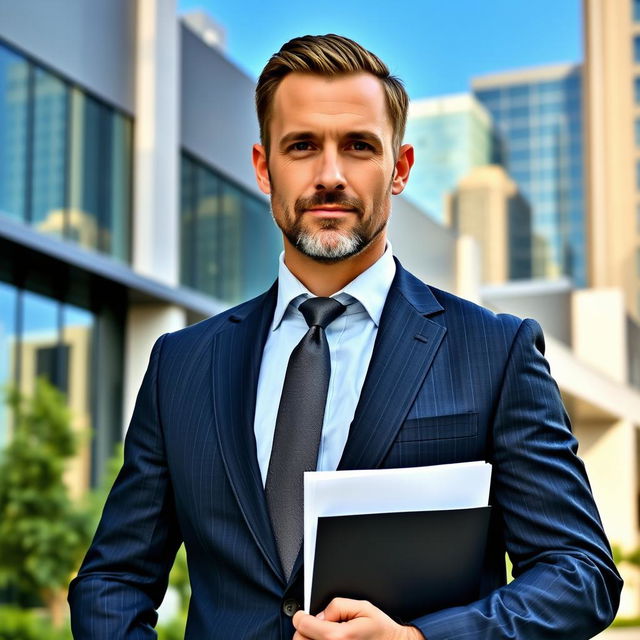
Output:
(321, 312)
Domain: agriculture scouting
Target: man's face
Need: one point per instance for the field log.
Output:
(331, 169)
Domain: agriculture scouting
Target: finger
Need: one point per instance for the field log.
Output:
(312, 627)
(346, 609)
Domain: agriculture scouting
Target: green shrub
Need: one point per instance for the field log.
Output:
(28, 624)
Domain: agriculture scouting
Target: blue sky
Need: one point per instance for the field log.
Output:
(435, 46)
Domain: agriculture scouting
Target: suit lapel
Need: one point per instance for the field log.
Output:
(406, 344)
(237, 354)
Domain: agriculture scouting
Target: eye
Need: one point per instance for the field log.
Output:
(359, 145)
(300, 146)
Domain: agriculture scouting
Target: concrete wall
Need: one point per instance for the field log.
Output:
(548, 302)
(92, 42)
(218, 120)
(599, 331)
(423, 246)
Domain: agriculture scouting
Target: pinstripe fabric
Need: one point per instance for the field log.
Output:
(448, 381)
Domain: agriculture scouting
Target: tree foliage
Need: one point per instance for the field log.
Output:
(43, 533)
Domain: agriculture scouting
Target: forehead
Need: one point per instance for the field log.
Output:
(307, 101)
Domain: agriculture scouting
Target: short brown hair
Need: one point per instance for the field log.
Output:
(329, 55)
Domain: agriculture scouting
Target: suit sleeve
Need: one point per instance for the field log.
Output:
(124, 575)
(566, 585)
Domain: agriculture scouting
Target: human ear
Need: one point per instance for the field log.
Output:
(403, 165)
(261, 167)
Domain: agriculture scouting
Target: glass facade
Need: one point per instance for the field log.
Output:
(540, 122)
(78, 350)
(65, 158)
(229, 243)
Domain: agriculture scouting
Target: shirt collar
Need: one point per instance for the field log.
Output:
(370, 288)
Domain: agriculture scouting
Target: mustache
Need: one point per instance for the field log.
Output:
(328, 197)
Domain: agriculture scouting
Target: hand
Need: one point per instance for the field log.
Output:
(346, 619)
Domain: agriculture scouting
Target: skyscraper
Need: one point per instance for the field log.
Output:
(538, 115)
(487, 206)
(451, 136)
(612, 111)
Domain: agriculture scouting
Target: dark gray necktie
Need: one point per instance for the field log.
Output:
(298, 427)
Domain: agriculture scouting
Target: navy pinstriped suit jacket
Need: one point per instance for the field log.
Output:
(448, 381)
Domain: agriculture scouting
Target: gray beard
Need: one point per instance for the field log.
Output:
(312, 245)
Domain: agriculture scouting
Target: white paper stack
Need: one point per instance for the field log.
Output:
(341, 493)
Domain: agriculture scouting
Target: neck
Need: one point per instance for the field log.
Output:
(325, 279)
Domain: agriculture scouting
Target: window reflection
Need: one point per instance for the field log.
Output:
(118, 219)
(49, 153)
(207, 259)
(41, 337)
(56, 139)
(77, 345)
(229, 244)
(88, 198)
(8, 306)
(14, 78)
(187, 221)
(40, 352)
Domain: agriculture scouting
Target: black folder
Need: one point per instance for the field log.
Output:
(408, 564)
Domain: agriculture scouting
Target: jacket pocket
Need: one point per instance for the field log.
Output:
(460, 425)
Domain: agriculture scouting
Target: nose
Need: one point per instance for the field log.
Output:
(330, 175)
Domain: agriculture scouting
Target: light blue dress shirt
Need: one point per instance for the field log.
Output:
(351, 338)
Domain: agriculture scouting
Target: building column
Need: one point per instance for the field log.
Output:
(145, 324)
(468, 268)
(156, 142)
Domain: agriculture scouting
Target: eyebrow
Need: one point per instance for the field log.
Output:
(300, 136)
(295, 136)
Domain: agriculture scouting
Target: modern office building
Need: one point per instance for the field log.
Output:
(487, 206)
(538, 114)
(451, 135)
(612, 133)
(128, 205)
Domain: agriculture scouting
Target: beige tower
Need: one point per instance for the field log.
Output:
(612, 136)
(487, 206)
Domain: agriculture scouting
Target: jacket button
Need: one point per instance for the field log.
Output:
(290, 606)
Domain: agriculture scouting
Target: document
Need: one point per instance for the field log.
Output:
(330, 496)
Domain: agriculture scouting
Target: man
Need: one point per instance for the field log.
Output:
(347, 362)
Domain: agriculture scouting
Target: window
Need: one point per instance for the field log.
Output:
(41, 336)
(14, 92)
(636, 89)
(49, 153)
(636, 10)
(99, 177)
(65, 158)
(8, 352)
(636, 49)
(229, 244)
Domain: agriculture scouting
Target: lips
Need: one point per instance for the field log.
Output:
(329, 212)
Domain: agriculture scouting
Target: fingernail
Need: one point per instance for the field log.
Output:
(320, 616)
